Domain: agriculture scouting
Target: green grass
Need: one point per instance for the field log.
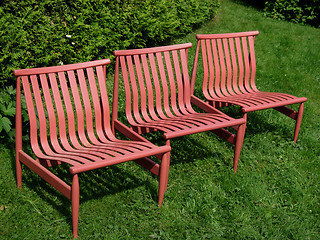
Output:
(274, 195)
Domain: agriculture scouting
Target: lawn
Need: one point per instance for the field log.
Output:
(274, 195)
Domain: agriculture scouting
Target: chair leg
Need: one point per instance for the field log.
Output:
(75, 205)
(238, 145)
(18, 171)
(298, 122)
(168, 156)
(164, 174)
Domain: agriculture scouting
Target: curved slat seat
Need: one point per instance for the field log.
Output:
(190, 124)
(229, 69)
(95, 157)
(69, 119)
(158, 96)
(260, 100)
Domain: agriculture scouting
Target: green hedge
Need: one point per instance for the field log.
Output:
(41, 33)
(298, 11)
(50, 32)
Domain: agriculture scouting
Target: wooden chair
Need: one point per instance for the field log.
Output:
(70, 124)
(229, 69)
(157, 89)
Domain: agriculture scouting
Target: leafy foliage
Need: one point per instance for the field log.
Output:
(51, 32)
(7, 111)
(298, 11)
(7, 115)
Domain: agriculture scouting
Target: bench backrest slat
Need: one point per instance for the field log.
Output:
(67, 105)
(228, 62)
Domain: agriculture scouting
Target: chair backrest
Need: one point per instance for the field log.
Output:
(67, 105)
(229, 65)
(156, 82)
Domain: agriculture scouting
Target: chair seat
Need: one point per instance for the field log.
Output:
(190, 124)
(106, 154)
(260, 100)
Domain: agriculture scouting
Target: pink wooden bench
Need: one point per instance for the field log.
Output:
(70, 124)
(229, 69)
(157, 89)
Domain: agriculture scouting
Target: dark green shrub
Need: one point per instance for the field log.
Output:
(7, 114)
(50, 32)
(259, 4)
(7, 110)
(42, 33)
(298, 11)
(194, 12)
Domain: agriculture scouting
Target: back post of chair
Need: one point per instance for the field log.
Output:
(18, 125)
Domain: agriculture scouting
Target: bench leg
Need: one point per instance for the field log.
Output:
(18, 171)
(298, 122)
(164, 175)
(75, 205)
(238, 145)
(168, 156)
(297, 116)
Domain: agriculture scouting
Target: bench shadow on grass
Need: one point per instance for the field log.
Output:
(111, 180)
(94, 185)
(186, 149)
(99, 183)
(258, 122)
(259, 5)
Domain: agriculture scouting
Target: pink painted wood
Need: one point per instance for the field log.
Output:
(229, 68)
(157, 89)
(70, 124)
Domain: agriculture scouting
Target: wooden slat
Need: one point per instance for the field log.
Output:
(241, 67)
(152, 50)
(150, 90)
(63, 68)
(226, 35)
